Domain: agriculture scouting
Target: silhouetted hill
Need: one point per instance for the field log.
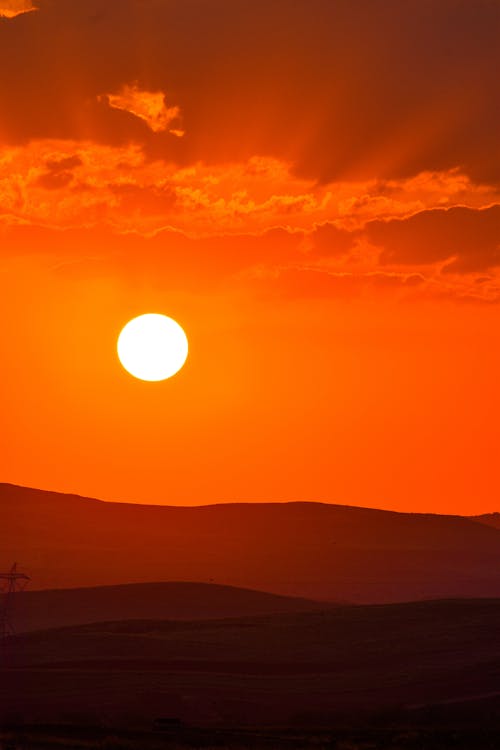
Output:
(312, 550)
(490, 519)
(37, 610)
(345, 662)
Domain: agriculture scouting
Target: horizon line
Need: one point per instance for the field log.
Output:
(244, 502)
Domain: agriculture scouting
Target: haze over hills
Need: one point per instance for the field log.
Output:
(38, 610)
(313, 550)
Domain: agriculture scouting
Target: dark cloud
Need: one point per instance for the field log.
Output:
(55, 180)
(281, 263)
(330, 240)
(59, 172)
(459, 239)
(63, 164)
(469, 238)
(341, 88)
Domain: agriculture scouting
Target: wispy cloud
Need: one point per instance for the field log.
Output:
(149, 106)
(13, 8)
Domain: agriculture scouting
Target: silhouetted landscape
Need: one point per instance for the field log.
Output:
(201, 663)
(427, 665)
(317, 551)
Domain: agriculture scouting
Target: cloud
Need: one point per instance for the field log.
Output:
(255, 222)
(73, 182)
(351, 90)
(468, 240)
(148, 106)
(321, 283)
(332, 241)
(59, 172)
(13, 8)
(66, 182)
(273, 264)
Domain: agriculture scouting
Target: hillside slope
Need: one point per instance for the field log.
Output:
(490, 519)
(311, 550)
(37, 610)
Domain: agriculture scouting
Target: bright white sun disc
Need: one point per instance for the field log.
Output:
(152, 347)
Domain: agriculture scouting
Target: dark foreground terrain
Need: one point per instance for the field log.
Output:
(40, 737)
(418, 675)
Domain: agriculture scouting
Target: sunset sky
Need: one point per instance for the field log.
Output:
(311, 188)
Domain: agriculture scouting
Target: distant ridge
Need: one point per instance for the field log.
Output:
(39, 610)
(311, 550)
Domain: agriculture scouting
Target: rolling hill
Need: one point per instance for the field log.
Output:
(309, 669)
(38, 610)
(313, 550)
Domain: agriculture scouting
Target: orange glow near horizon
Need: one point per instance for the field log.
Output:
(326, 232)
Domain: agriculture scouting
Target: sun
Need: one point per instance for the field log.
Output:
(152, 347)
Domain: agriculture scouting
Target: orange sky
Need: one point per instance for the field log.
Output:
(312, 190)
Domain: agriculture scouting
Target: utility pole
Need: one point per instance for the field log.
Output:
(10, 583)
